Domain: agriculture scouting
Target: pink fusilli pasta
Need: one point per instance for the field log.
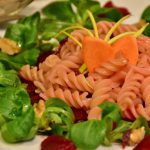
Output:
(72, 98)
(105, 26)
(107, 69)
(76, 82)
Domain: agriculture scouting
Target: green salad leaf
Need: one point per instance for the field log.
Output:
(88, 135)
(18, 130)
(146, 16)
(25, 31)
(110, 14)
(110, 111)
(118, 132)
(60, 10)
(16, 62)
(9, 78)
(82, 7)
(13, 100)
(8, 63)
(17, 119)
(57, 117)
(26, 57)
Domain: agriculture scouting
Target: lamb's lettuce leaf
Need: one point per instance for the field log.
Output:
(60, 10)
(18, 129)
(13, 100)
(9, 78)
(110, 111)
(17, 120)
(89, 134)
(25, 31)
(146, 16)
(57, 117)
(16, 62)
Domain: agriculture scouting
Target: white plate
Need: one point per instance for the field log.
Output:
(136, 7)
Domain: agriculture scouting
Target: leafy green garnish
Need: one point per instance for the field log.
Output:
(19, 129)
(57, 117)
(9, 78)
(25, 34)
(16, 62)
(146, 16)
(25, 31)
(88, 135)
(60, 10)
(110, 111)
(26, 57)
(14, 100)
(17, 120)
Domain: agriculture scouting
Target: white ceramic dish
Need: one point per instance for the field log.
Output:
(136, 7)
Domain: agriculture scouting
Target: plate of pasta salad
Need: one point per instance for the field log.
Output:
(76, 75)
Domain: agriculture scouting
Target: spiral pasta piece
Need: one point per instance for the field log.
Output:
(136, 111)
(101, 92)
(145, 87)
(32, 74)
(130, 89)
(70, 46)
(144, 60)
(76, 82)
(105, 26)
(65, 65)
(49, 62)
(144, 44)
(95, 113)
(109, 68)
(72, 98)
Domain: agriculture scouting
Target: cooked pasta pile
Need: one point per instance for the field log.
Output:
(116, 80)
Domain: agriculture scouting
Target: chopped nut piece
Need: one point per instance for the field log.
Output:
(9, 46)
(39, 108)
(140, 24)
(137, 136)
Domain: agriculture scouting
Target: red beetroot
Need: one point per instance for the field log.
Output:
(56, 142)
(43, 56)
(80, 114)
(123, 10)
(144, 144)
(34, 97)
(126, 138)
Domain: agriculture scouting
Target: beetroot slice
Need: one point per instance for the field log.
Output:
(56, 142)
(80, 114)
(126, 138)
(144, 144)
(43, 56)
(34, 97)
